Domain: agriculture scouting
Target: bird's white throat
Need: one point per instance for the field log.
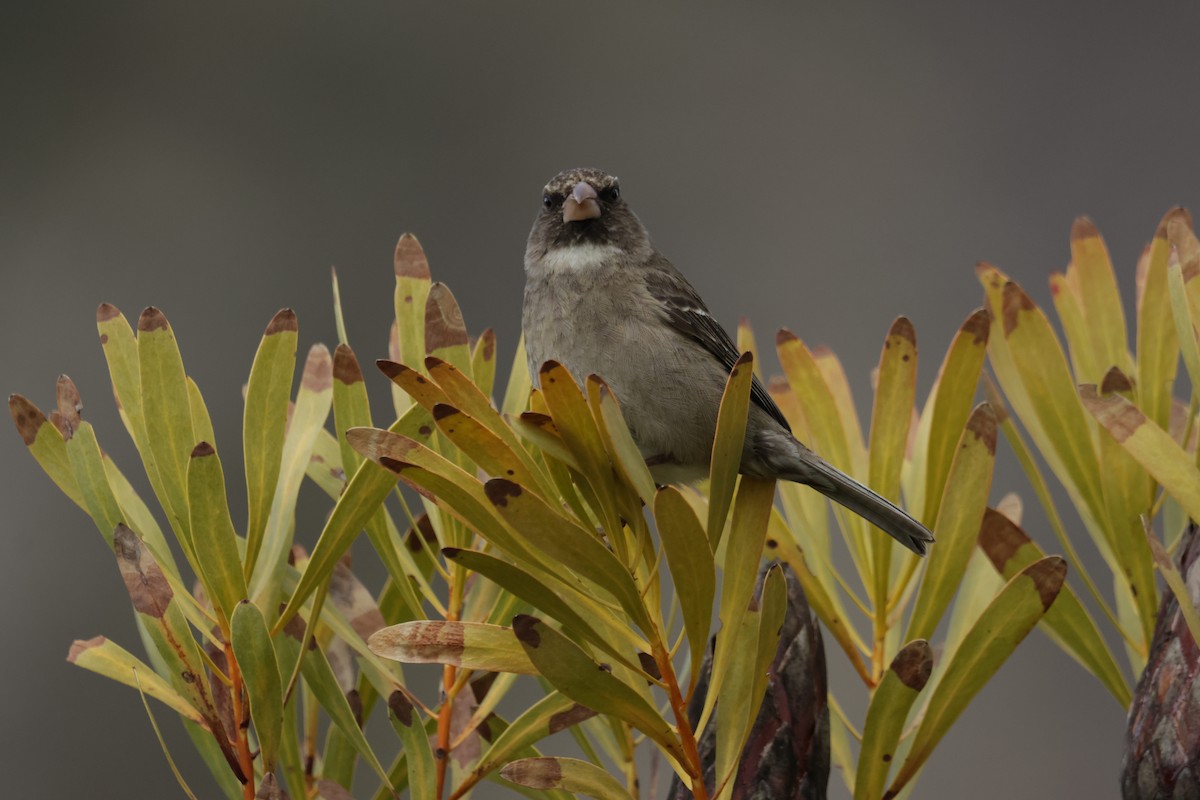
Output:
(578, 257)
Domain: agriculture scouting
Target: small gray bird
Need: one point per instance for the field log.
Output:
(600, 299)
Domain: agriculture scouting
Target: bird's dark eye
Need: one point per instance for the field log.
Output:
(547, 201)
(610, 194)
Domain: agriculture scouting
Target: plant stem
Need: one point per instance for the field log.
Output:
(240, 723)
(686, 736)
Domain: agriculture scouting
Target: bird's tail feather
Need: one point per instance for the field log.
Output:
(871, 506)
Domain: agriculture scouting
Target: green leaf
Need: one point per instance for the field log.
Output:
(728, 445)
(46, 445)
(1100, 298)
(260, 669)
(570, 774)
(112, 661)
(445, 331)
(571, 671)
(516, 392)
(891, 419)
(692, 568)
(553, 713)
(422, 774)
(577, 612)
(472, 645)
(213, 536)
(412, 292)
(167, 409)
(88, 466)
(1067, 622)
(743, 550)
(313, 402)
(483, 362)
(621, 447)
(1001, 627)
(264, 422)
(1157, 341)
(952, 398)
(889, 707)
(958, 522)
(1150, 445)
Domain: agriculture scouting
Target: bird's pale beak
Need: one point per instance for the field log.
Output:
(582, 204)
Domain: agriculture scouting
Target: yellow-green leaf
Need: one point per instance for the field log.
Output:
(112, 661)
(961, 513)
(213, 536)
(260, 669)
(692, 570)
(571, 671)
(1157, 341)
(483, 362)
(445, 329)
(1100, 298)
(167, 410)
(570, 774)
(422, 773)
(1002, 626)
(46, 445)
(472, 645)
(889, 707)
(728, 445)
(1067, 622)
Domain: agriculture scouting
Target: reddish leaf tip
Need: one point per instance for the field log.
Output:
(904, 329)
(203, 449)
(444, 324)
(151, 319)
(26, 417)
(1083, 228)
(982, 423)
(409, 260)
(345, 366)
(392, 369)
(105, 312)
(283, 321)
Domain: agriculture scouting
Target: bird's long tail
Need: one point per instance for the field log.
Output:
(810, 469)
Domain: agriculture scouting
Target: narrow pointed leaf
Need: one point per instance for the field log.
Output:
(516, 391)
(46, 445)
(264, 421)
(1067, 622)
(1101, 300)
(109, 659)
(264, 687)
(553, 713)
(412, 290)
(483, 362)
(692, 568)
(890, 703)
(472, 645)
(958, 522)
(1157, 341)
(167, 409)
(621, 447)
(445, 331)
(728, 445)
(1001, 627)
(213, 536)
(571, 671)
(570, 774)
(406, 719)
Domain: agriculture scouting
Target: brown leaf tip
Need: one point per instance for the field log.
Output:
(318, 369)
(80, 646)
(444, 325)
(1000, 538)
(392, 369)
(1083, 228)
(26, 416)
(525, 628)
(499, 490)
(904, 329)
(649, 665)
(105, 312)
(152, 319)
(913, 664)
(1048, 576)
(1177, 215)
(784, 336)
(401, 707)
(70, 406)
(982, 424)
(393, 464)
(1013, 301)
(345, 366)
(978, 326)
(443, 410)
(203, 449)
(1116, 381)
(284, 321)
(572, 716)
(409, 260)
(488, 340)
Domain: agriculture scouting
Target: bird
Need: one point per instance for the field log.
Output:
(601, 299)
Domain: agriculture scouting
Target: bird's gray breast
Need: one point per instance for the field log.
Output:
(601, 320)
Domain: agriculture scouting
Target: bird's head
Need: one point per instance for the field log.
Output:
(584, 207)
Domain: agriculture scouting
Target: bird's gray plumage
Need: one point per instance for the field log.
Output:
(600, 299)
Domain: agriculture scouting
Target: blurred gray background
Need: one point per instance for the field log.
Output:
(824, 167)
